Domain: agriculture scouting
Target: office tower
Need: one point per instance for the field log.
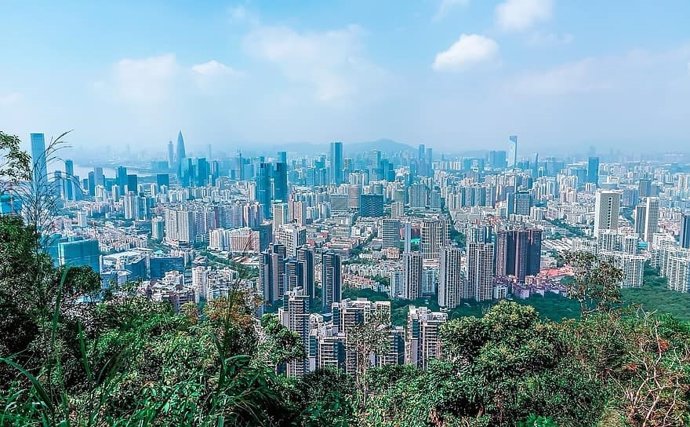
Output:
(645, 187)
(121, 180)
(91, 183)
(514, 148)
(450, 280)
(280, 184)
(434, 235)
(413, 266)
(70, 188)
(336, 163)
(80, 253)
(265, 235)
(480, 271)
(282, 157)
(293, 237)
(331, 280)
(606, 210)
(391, 233)
(171, 155)
(640, 216)
(294, 315)
(272, 273)
(162, 179)
(133, 183)
(651, 223)
(39, 162)
(181, 154)
(421, 152)
(498, 159)
(422, 340)
(593, 170)
(518, 253)
(685, 231)
(522, 203)
(305, 255)
(130, 205)
(264, 189)
(371, 205)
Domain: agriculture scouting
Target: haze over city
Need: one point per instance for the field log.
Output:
(452, 74)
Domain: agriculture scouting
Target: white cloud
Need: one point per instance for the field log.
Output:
(468, 50)
(445, 6)
(146, 81)
(520, 15)
(576, 77)
(214, 68)
(332, 62)
(10, 99)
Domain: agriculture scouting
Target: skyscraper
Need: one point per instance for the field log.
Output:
(685, 231)
(263, 192)
(69, 180)
(171, 155)
(450, 280)
(121, 180)
(371, 205)
(606, 210)
(39, 162)
(391, 233)
(651, 223)
(413, 265)
(336, 159)
(78, 253)
(640, 216)
(272, 273)
(280, 184)
(305, 255)
(181, 153)
(434, 235)
(422, 338)
(331, 280)
(294, 315)
(480, 271)
(518, 253)
(593, 170)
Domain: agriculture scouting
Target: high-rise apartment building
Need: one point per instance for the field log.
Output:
(293, 236)
(412, 275)
(434, 235)
(422, 341)
(272, 273)
(451, 279)
(480, 271)
(518, 253)
(606, 210)
(685, 231)
(651, 223)
(331, 280)
(294, 315)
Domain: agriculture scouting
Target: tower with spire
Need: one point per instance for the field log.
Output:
(180, 149)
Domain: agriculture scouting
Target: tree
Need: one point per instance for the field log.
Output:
(596, 282)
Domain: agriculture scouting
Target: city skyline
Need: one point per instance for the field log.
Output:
(454, 75)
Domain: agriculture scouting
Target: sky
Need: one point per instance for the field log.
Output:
(564, 75)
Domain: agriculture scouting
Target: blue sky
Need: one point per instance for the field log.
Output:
(453, 74)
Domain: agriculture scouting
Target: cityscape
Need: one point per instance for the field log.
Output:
(180, 272)
(409, 225)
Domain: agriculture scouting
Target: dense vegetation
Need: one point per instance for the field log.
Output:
(126, 360)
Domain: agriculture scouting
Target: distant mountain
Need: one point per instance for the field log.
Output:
(387, 146)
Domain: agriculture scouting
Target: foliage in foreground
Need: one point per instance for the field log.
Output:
(129, 361)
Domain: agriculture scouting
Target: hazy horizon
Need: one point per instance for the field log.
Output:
(455, 75)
